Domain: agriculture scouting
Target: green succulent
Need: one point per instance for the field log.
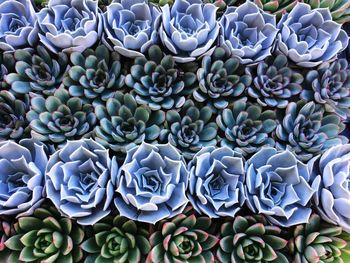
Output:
(104, 3)
(40, 3)
(340, 9)
(45, 237)
(277, 7)
(117, 239)
(7, 230)
(60, 117)
(162, 2)
(7, 65)
(251, 239)
(222, 4)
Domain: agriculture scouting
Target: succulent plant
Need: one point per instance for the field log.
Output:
(60, 117)
(39, 4)
(221, 80)
(95, 75)
(246, 127)
(162, 2)
(159, 82)
(7, 65)
(276, 7)
(251, 239)
(117, 240)
(183, 239)
(189, 29)
(6, 231)
(222, 4)
(310, 37)
(247, 32)
(274, 82)
(305, 130)
(102, 4)
(46, 237)
(40, 72)
(190, 130)
(340, 9)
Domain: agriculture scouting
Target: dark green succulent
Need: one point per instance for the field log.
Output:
(251, 239)
(221, 80)
(45, 237)
(222, 4)
(60, 117)
(95, 75)
(6, 231)
(162, 2)
(7, 65)
(277, 7)
(246, 127)
(103, 4)
(117, 239)
(39, 4)
(40, 72)
(159, 82)
(340, 9)
(190, 129)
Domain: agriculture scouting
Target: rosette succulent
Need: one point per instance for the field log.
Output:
(80, 180)
(251, 239)
(277, 7)
(69, 25)
(60, 117)
(123, 124)
(190, 130)
(46, 237)
(7, 65)
(95, 75)
(158, 81)
(162, 2)
(152, 183)
(274, 82)
(117, 240)
(221, 80)
(189, 29)
(278, 186)
(340, 9)
(41, 72)
(246, 127)
(183, 239)
(131, 26)
(221, 4)
(305, 130)
(310, 37)
(247, 32)
(6, 231)
(17, 20)
(216, 180)
(329, 85)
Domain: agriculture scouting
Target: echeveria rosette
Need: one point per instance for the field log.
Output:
(159, 82)
(7, 65)
(340, 9)
(216, 182)
(222, 4)
(190, 130)
(329, 85)
(69, 25)
(46, 237)
(247, 32)
(251, 239)
(123, 124)
(80, 181)
(310, 37)
(60, 117)
(22, 174)
(152, 183)
(117, 239)
(246, 127)
(189, 29)
(276, 7)
(6, 231)
(307, 131)
(275, 84)
(279, 186)
(221, 80)
(95, 75)
(131, 27)
(185, 238)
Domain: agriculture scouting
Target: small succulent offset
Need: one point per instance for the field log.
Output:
(6, 231)
(158, 81)
(221, 80)
(152, 183)
(340, 9)
(276, 7)
(39, 72)
(329, 85)
(60, 117)
(247, 32)
(190, 130)
(183, 239)
(46, 237)
(69, 25)
(310, 37)
(80, 181)
(95, 75)
(189, 29)
(131, 27)
(251, 239)
(274, 82)
(117, 240)
(246, 127)
(216, 186)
